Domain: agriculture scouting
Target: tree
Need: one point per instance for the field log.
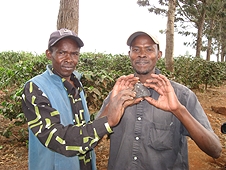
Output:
(215, 19)
(169, 50)
(206, 16)
(223, 41)
(170, 36)
(68, 16)
(192, 12)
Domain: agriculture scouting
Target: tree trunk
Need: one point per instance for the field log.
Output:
(68, 16)
(218, 52)
(209, 49)
(200, 25)
(209, 46)
(223, 53)
(170, 36)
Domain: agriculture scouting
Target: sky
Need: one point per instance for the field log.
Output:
(104, 25)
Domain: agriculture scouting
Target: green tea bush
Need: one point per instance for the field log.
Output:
(99, 72)
(193, 72)
(17, 68)
(162, 67)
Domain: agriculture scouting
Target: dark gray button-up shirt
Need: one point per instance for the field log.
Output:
(148, 138)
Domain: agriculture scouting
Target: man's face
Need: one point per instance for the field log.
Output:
(64, 57)
(144, 54)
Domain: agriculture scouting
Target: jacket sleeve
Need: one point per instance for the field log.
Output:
(44, 121)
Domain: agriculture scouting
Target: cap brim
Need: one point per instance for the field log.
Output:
(76, 39)
(134, 35)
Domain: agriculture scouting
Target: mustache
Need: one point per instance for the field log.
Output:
(140, 61)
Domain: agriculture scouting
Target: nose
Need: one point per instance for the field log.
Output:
(68, 57)
(143, 53)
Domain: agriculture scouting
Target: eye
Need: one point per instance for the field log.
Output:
(61, 52)
(75, 54)
(135, 50)
(149, 49)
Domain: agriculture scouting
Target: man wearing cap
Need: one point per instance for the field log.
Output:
(61, 136)
(151, 135)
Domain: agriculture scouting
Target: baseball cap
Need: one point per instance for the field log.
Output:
(135, 34)
(62, 33)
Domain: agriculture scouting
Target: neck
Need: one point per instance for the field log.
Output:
(144, 77)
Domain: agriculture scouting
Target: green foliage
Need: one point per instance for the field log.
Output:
(161, 66)
(18, 67)
(11, 108)
(15, 69)
(193, 72)
(189, 16)
(99, 74)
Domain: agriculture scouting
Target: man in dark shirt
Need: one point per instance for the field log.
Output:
(151, 135)
(61, 136)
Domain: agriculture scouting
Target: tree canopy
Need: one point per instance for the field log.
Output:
(203, 20)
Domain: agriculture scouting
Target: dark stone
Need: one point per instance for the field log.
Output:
(141, 90)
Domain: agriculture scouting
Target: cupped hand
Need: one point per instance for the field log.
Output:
(167, 98)
(124, 82)
(117, 105)
(122, 96)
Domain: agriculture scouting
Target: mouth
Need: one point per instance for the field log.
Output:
(141, 63)
(68, 67)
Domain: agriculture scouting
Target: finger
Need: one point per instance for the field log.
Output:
(130, 79)
(125, 94)
(154, 79)
(151, 100)
(165, 79)
(128, 92)
(125, 77)
(160, 78)
(127, 81)
(118, 86)
(158, 87)
(157, 82)
(165, 83)
(124, 82)
(132, 82)
(132, 102)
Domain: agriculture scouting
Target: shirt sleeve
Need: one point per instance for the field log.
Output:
(190, 101)
(68, 140)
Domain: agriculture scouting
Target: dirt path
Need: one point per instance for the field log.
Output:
(198, 160)
(13, 154)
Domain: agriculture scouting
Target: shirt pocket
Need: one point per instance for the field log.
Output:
(161, 136)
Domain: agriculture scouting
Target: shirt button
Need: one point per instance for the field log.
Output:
(137, 138)
(139, 118)
(135, 158)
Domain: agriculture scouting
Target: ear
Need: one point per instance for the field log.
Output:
(49, 54)
(128, 53)
(159, 54)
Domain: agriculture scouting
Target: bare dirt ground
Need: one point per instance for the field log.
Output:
(13, 153)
